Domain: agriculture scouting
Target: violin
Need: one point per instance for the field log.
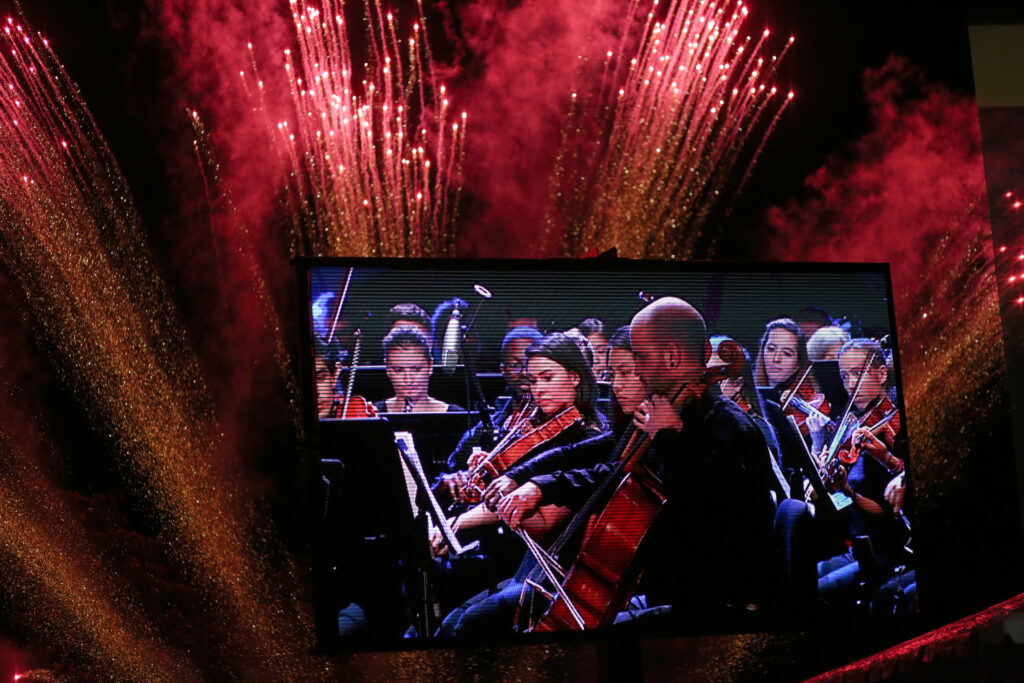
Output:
(605, 573)
(353, 407)
(883, 423)
(804, 401)
(518, 442)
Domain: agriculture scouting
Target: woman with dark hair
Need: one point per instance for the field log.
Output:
(408, 367)
(563, 388)
(783, 366)
(628, 393)
(563, 393)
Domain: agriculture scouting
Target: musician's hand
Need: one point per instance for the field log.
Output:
(522, 502)
(894, 493)
(497, 490)
(837, 480)
(454, 483)
(476, 457)
(437, 544)
(656, 414)
(816, 427)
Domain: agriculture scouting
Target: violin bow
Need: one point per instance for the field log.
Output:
(797, 387)
(341, 304)
(350, 385)
(838, 438)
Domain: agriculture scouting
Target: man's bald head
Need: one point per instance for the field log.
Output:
(671, 336)
(670, 319)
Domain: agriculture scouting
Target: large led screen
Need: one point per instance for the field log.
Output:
(508, 449)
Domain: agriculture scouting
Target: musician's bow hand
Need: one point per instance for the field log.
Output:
(656, 414)
(895, 490)
(476, 457)
(496, 490)
(519, 504)
(438, 546)
(816, 427)
(454, 483)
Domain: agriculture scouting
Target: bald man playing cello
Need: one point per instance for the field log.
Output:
(709, 555)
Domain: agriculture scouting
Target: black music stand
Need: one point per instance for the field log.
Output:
(372, 540)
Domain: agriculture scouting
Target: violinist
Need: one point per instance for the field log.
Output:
(513, 370)
(628, 393)
(783, 366)
(708, 457)
(560, 381)
(327, 368)
(564, 392)
(408, 366)
(872, 466)
(495, 606)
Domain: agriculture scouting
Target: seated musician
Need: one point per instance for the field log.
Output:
(783, 366)
(563, 390)
(513, 369)
(628, 392)
(408, 315)
(408, 366)
(561, 383)
(783, 439)
(327, 368)
(873, 481)
(707, 456)
(825, 343)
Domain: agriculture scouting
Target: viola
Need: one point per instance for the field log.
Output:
(517, 444)
(604, 575)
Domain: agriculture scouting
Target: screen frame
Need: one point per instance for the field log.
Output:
(328, 643)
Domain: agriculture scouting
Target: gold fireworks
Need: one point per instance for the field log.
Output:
(71, 240)
(374, 160)
(649, 154)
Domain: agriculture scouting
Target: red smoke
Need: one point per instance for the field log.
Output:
(914, 183)
(529, 54)
(228, 225)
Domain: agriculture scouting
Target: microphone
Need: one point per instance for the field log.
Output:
(450, 345)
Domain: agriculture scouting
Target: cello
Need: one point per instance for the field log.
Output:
(605, 573)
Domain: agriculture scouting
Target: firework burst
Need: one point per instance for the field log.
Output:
(374, 160)
(650, 153)
(72, 241)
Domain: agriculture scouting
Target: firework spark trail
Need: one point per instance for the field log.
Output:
(374, 162)
(71, 240)
(672, 121)
(47, 564)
